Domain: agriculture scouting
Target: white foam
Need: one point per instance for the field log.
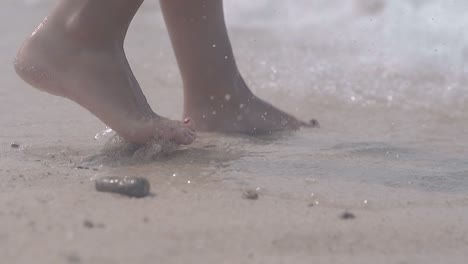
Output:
(407, 53)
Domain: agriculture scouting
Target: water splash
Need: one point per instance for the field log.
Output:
(118, 151)
(104, 133)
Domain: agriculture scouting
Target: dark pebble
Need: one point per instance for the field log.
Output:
(314, 123)
(250, 195)
(15, 145)
(73, 258)
(129, 186)
(347, 216)
(88, 224)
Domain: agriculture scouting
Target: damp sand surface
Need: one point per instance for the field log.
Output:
(383, 180)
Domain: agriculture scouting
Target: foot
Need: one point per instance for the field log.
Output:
(237, 110)
(98, 78)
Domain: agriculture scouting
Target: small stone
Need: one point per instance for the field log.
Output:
(250, 194)
(314, 123)
(73, 258)
(88, 224)
(130, 186)
(15, 145)
(347, 216)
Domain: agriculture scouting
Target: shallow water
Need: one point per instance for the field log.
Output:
(388, 86)
(386, 83)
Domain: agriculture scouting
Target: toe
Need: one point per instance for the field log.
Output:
(186, 137)
(188, 123)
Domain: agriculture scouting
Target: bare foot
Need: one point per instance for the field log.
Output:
(98, 78)
(239, 111)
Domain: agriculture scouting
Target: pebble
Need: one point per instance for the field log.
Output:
(250, 194)
(88, 224)
(314, 123)
(74, 259)
(130, 186)
(347, 216)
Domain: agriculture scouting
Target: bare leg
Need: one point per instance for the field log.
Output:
(216, 96)
(77, 52)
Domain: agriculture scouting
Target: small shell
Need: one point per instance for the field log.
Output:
(129, 186)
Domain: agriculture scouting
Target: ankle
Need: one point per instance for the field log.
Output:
(220, 96)
(224, 86)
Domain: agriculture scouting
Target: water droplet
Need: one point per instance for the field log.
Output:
(365, 201)
(241, 106)
(173, 175)
(212, 98)
(214, 45)
(214, 112)
(188, 182)
(227, 97)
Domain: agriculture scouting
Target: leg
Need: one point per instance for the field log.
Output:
(216, 96)
(77, 52)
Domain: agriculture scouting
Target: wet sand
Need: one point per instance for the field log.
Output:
(402, 173)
